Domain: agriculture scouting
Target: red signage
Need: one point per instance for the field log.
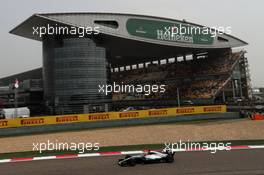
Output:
(66, 119)
(185, 110)
(3, 123)
(213, 109)
(128, 114)
(36, 121)
(98, 117)
(158, 112)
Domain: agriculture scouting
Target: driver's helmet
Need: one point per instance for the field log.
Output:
(168, 151)
(147, 152)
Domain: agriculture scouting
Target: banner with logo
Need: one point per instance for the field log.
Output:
(107, 116)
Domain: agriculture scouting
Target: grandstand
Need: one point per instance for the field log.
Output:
(207, 78)
(130, 49)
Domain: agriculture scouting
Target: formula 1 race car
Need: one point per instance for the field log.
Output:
(148, 157)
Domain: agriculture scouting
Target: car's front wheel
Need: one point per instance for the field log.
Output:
(120, 162)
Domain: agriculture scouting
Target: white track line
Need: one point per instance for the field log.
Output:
(71, 156)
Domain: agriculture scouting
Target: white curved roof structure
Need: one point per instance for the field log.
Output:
(147, 29)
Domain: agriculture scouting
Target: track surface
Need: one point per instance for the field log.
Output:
(235, 162)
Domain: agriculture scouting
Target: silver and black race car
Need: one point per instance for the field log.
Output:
(148, 157)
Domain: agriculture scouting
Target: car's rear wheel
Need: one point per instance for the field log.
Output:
(143, 161)
(132, 162)
(170, 159)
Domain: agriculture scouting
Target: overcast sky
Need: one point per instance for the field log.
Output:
(244, 16)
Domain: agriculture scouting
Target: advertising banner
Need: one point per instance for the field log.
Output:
(107, 116)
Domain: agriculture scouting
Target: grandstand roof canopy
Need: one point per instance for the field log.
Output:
(132, 36)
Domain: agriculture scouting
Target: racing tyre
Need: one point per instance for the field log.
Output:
(132, 163)
(170, 159)
(121, 164)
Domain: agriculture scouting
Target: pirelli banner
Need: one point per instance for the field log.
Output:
(107, 116)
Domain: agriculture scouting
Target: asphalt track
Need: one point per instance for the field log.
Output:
(234, 162)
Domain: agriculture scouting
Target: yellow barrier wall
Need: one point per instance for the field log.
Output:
(63, 119)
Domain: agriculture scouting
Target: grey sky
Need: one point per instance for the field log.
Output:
(244, 16)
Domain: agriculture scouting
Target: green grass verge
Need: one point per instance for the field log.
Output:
(109, 127)
(119, 148)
